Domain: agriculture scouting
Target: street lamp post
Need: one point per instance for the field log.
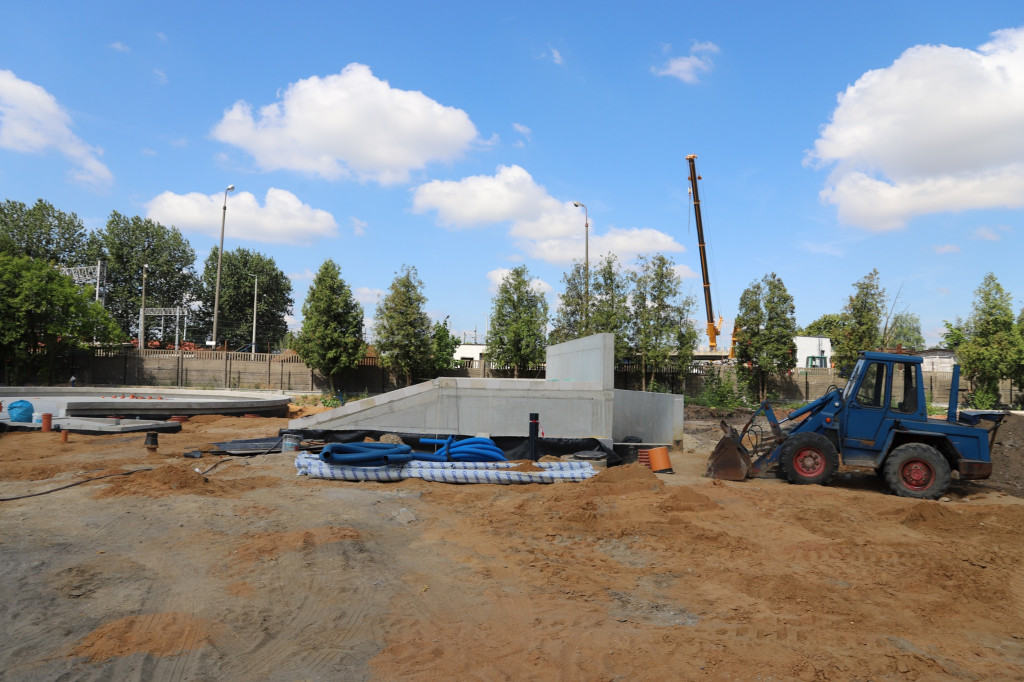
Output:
(142, 310)
(586, 264)
(255, 284)
(220, 254)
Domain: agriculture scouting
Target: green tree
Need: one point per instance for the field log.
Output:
(443, 345)
(863, 316)
(44, 313)
(904, 329)
(331, 338)
(42, 232)
(831, 325)
(242, 271)
(570, 317)
(519, 316)
(659, 315)
(767, 325)
(128, 243)
(991, 349)
(402, 333)
(609, 304)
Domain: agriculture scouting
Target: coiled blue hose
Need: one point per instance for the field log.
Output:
(382, 454)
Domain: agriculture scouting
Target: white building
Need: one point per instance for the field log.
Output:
(470, 354)
(813, 351)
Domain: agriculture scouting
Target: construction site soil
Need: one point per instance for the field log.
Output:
(246, 572)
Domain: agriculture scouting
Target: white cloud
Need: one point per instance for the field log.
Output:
(161, 36)
(367, 296)
(945, 248)
(990, 234)
(161, 77)
(824, 248)
(938, 130)
(283, 218)
(146, 151)
(348, 124)
(358, 226)
(688, 69)
(624, 243)
(32, 122)
(305, 274)
(684, 271)
(496, 276)
(556, 56)
(178, 142)
(522, 130)
(293, 322)
(542, 226)
(120, 47)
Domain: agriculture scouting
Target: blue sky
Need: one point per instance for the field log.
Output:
(831, 138)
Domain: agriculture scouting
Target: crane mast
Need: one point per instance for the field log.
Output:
(713, 329)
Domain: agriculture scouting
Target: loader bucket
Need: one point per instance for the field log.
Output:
(730, 461)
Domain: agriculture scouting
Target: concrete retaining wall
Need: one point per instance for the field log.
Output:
(501, 407)
(588, 359)
(655, 417)
(497, 407)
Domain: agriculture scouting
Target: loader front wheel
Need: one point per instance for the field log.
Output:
(917, 470)
(809, 458)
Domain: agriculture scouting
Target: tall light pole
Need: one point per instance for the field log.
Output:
(220, 254)
(586, 264)
(142, 310)
(256, 283)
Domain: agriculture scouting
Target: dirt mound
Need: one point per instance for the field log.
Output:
(178, 479)
(686, 500)
(205, 419)
(158, 634)
(622, 480)
(269, 546)
(1008, 456)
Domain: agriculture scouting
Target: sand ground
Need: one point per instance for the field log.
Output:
(251, 573)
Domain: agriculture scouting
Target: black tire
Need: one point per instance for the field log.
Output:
(808, 458)
(917, 470)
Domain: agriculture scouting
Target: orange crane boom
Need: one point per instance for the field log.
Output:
(713, 329)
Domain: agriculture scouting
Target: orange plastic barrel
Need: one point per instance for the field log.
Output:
(660, 463)
(643, 457)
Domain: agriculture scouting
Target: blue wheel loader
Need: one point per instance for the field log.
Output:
(879, 420)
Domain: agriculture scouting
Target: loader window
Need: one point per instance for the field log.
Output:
(872, 388)
(904, 388)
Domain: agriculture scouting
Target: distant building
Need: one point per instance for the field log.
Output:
(813, 351)
(470, 355)
(937, 360)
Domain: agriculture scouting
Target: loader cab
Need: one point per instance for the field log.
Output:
(883, 388)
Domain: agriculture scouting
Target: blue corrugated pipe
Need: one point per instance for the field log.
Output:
(381, 454)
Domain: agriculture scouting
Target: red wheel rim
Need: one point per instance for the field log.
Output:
(808, 462)
(917, 474)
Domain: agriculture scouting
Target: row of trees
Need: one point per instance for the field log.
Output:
(409, 346)
(989, 343)
(125, 244)
(645, 309)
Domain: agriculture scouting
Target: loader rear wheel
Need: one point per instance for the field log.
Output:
(809, 458)
(917, 470)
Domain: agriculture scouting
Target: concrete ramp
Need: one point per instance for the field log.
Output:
(583, 405)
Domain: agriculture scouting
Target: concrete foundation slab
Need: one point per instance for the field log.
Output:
(576, 401)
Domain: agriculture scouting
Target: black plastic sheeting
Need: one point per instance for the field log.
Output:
(514, 447)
